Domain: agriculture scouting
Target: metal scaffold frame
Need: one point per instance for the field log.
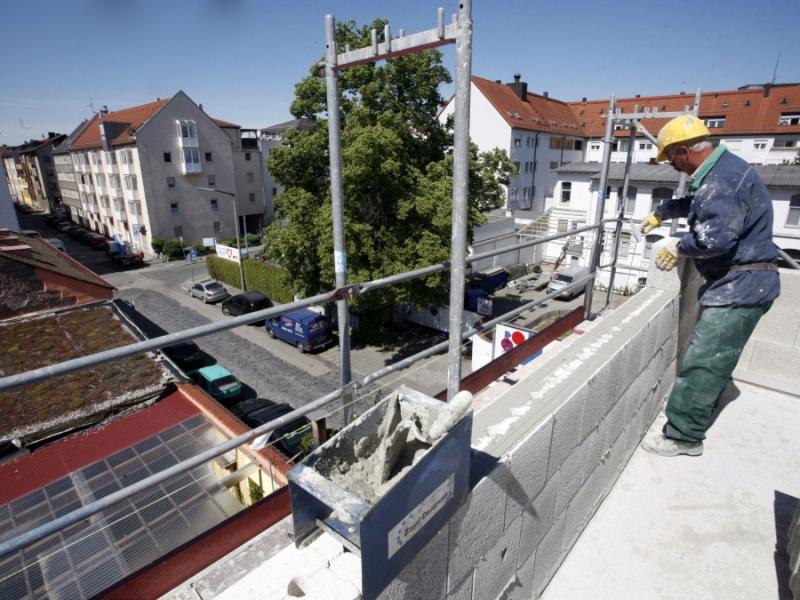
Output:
(634, 122)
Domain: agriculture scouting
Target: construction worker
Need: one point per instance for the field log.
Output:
(730, 239)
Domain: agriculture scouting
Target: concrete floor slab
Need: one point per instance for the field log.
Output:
(705, 527)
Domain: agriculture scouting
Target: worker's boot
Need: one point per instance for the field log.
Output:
(655, 442)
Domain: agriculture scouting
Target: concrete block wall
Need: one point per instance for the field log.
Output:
(772, 356)
(546, 453)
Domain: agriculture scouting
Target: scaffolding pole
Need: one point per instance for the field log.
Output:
(337, 208)
(597, 247)
(458, 248)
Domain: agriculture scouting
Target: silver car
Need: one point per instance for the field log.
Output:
(209, 290)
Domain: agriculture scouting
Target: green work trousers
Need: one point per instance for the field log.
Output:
(717, 342)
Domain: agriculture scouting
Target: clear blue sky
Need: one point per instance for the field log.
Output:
(241, 58)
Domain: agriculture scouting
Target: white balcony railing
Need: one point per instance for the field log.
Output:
(131, 195)
(121, 215)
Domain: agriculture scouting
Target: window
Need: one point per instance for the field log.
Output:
(512, 193)
(217, 227)
(126, 157)
(250, 177)
(624, 244)
(247, 156)
(563, 225)
(167, 157)
(793, 219)
(214, 204)
(659, 195)
(553, 164)
(212, 180)
(578, 145)
(556, 143)
(760, 145)
(517, 142)
(595, 146)
(274, 192)
(99, 180)
(516, 167)
(630, 201)
(208, 157)
(111, 158)
(648, 244)
(93, 156)
(114, 181)
(789, 119)
(131, 183)
(178, 231)
(645, 146)
(251, 197)
(191, 156)
(187, 129)
(174, 209)
(171, 182)
(789, 144)
(566, 192)
(714, 122)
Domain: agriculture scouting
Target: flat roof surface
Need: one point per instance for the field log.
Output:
(713, 526)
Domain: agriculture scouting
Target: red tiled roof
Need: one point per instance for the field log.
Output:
(746, 112)
(117, 124)
(536, 113)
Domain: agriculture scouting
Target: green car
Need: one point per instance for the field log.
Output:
(218, 382)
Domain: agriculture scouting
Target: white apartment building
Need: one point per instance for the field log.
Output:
(137, 171)
(576, 196)
(539, 134)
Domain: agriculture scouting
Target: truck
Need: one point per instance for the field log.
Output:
(122, 253)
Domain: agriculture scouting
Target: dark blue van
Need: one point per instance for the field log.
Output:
(303, 328)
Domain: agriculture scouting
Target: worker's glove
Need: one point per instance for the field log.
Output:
(650, 222)
(667, 256)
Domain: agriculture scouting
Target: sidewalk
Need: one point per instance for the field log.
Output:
(706, 527)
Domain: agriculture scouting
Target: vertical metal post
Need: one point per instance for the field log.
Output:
(621, 212)
(337, 206)
(458, 241)
(238, 242)
(601, 204)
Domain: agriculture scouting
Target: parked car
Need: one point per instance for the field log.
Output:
(242, 304)
(209, 290)
(31, 233)
(288, 438)
(78, 233)
(55, 218)
(566, 278)
(66, 226)
(187, 355)
(96, 241)
(218, 382)
(57, 244)
(303, 328)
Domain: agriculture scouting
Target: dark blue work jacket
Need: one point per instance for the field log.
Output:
(730, 223)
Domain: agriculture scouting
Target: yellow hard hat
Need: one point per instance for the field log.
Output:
(683, 129)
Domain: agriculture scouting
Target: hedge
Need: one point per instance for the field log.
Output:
(270, 280)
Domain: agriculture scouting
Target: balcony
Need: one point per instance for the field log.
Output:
(120, 215)
(131, 195)
(135, 208)
(115, 193)
(189, 168)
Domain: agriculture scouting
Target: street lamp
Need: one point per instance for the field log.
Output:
(236, 223)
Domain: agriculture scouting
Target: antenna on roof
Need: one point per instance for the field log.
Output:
(777, 62)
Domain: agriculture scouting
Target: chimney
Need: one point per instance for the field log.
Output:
(767, 89)
(583, 99)
(546, 94)
(104, 110)
(51, 134)
(638, 95)
(498, 81)
(520, 87)
(200, 106)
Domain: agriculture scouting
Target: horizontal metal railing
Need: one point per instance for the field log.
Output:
(35, 375)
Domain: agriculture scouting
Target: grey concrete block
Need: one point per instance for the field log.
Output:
(594, 443)
(537, 518)
(627, 367)
(617, 459)
(425, 577)
(570, 478)
(529, 464)
(779, 326)
(600, 395)
(566, 429)
(478, 523)
(548, 557)
(498, 567)
(523, 590)
(649, 340)
(462, 590)
(613, 423)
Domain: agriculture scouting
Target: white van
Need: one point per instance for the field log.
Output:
(565, 278)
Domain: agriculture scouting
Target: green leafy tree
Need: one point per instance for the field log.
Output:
(397, 169)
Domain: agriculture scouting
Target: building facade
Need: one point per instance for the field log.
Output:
(138, 172)
(31, 173)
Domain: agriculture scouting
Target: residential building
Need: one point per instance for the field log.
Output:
(539, 134)
(31, 173)
(269, 138)
(8, 216)
(575, 201)
(66, 176)
(138, 170)
(759, 123)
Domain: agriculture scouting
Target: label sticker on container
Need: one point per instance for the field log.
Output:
(420, 515)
